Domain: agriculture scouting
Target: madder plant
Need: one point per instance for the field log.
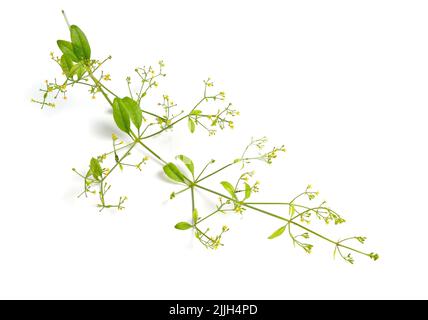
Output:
(141, 124)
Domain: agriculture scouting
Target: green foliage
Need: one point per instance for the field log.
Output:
(134, 111)
(67, 65)
(67, 49)
(80, 43)
(247, 191)
(195, 216)
(188, 163)
(229, 188)
(277, 232)
(96, 169)
(191, 125)
(172, 172)
(121, 116)
(183, 226)
(124, 111)
(80, 69)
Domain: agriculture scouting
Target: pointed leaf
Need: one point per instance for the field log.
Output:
(229, 188)
(78, 69)
(134, 111)
(66, 65)
(96, 169)
(188, 163)
(277, 233)
(247, 191)
(191, 125)
(195, 215)
(173, 173)
(66, 48)
(81, 47)
(291, 210)
(121, 116)
(183, 226)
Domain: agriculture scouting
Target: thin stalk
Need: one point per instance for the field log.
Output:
(284, 219)
(95, 80)
(120, 160)
(192, 192)
(152, 114)
(151, 151)
(176, 121)
(203, 170)
(65, 18)
(215, 172)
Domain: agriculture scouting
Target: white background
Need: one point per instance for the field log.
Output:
(343, 84)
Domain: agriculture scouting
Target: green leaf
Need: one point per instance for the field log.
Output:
(78, 69)
(173, 172)
(66, 48)
(134, 111)
(81, 47)
(229, 188)
(121, 116)
(191, 125)
(277, 233)
(291, 210)
(96, 169)
(195, 215)
(247, 191)
(183, 226)
(188, 162)
(66, 65)
(196, 112)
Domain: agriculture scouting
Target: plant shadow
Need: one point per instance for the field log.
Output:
(103, 129)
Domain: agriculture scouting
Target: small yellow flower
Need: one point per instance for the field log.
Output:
(238, 209)
(114, 137)
(107, 77)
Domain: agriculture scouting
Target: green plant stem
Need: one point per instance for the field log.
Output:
(153, 114)
(203, 170)
(176, 121)
(283, 219)
(192, 192)
(182, 190)
(284, 204)
(102, 87)
(151, 151)
(99, 85)
(120, 160)
(248, 205)
(215, 172)
(208, 216)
